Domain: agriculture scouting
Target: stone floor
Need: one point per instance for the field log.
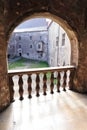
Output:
(60, 111)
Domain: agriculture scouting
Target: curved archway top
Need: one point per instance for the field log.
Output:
(64, 24)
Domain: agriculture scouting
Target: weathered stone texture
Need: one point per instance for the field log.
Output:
(4, 89)
(74, 13)
(82, 67)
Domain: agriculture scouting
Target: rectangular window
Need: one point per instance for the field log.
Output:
(40, 37)
(30, 37)
(19, 46)
(27, 54)
(19, 37)
(63, 39)
(11, 46)
(39, 46)
(30, 46)
(57, 41)
(41, 54)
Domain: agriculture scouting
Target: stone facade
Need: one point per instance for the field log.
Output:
(59, 46)
(72, 15)
(29, 44)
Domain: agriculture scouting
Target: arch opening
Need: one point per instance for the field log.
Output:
(71, 34)
(39, 45)
(40, 39)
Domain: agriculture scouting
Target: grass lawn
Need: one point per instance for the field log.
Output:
(39, 64)
(15, 64)
(27, 63)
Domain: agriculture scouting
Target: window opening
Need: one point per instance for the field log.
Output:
(63, 39)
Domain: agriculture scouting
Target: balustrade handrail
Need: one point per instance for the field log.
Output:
(39, 70)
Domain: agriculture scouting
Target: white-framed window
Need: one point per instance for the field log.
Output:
(39, 46)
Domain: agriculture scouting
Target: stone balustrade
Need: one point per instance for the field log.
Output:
(60, 77)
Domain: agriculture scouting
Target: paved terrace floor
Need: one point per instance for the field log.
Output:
(60, 111)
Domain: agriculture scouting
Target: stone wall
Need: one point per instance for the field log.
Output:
(81, 73)
(26, 44)
(74, 19)
(59, 46)
(4, 89)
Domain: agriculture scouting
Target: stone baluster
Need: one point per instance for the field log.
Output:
(44, 84)
(52, 83)
(58, 82)
(37, 85)
(20, 82)
(29, 81)
(11, 87)
(64, 81)
(71, 77)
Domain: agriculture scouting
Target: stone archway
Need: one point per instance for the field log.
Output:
(66, 27)
(13, 12)
(71, 34)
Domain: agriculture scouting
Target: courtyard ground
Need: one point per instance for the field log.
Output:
(23, 63)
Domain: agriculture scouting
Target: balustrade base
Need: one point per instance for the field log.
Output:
(21, 98)
(29, 96)
(37, 95)
(12, 101)
(64, 89)
(52, 92)
(58, 91)
(45, 94)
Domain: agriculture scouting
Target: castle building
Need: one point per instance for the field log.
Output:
(32, 42)
(59, 45)
(41, 42)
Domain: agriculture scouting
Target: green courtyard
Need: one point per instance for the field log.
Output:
(24, 63)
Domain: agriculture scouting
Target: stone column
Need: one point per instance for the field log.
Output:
(4, 89)
(81, 73)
